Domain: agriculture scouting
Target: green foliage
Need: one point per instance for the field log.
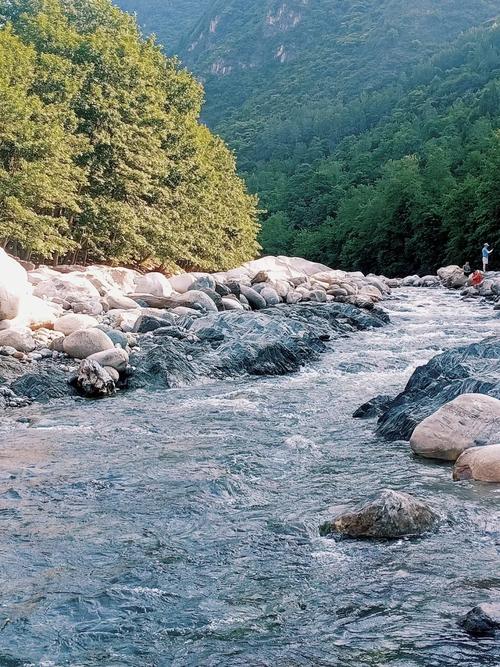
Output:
(372, 144)
(101, 154)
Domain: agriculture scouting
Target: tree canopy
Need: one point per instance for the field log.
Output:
(102, 157)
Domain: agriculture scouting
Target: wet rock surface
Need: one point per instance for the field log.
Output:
(201, 505)
(391, 515)
(482, 621)
(272, 341)
(469, 369)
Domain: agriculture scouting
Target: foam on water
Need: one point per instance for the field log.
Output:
(180, 527)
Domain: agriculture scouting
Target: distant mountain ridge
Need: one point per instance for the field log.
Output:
(263, 61)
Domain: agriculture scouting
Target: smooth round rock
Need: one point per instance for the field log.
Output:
(81, 344)
(479, 463)
(20, 339)
(467, 421)
(116, 358)
(116, 300)
(154, 283)
(271, 296)
(67, 324)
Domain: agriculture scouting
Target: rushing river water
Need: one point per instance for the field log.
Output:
(181, 527)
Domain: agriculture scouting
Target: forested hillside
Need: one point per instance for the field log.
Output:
(367, 127)
(278, 72)
(169, 20)
(418, 189)
(101, 154)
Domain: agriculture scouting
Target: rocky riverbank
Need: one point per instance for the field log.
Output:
(98, 329)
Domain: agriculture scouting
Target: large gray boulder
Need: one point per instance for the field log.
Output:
(199, 299)
(270, 295)
(255, 300)
(70, 287)
(479, 463)
(391, 515)
(81, 344)
(467, 421)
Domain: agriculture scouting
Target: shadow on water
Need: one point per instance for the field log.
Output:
(180, 528)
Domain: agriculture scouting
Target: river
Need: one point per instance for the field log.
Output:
(180, 528)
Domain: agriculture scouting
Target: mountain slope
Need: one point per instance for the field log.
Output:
(417, 189)
(169, 20)
(269, 61)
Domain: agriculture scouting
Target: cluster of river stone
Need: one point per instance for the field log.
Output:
(89, 321)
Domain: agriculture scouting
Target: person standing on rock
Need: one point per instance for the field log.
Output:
(467, 269)
(486, 256)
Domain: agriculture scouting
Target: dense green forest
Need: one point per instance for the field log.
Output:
(367, 127)
(102, 157)
(418, 189)
(169, 20)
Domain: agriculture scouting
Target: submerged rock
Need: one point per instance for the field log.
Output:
(482, 621)
(479, 463)
(467, 421)
(470, 369)
(391, 515)
(372, 408)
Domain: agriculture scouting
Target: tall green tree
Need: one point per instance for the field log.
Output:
(124, 170)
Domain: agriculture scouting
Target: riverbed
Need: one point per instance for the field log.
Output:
(180, 528)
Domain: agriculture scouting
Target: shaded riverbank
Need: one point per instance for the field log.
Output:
(180, 527)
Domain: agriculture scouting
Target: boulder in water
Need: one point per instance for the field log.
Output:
(467, 421)
(391, 515)
(482, 621)
(470, 369)
(372, 408)
(479, 463)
